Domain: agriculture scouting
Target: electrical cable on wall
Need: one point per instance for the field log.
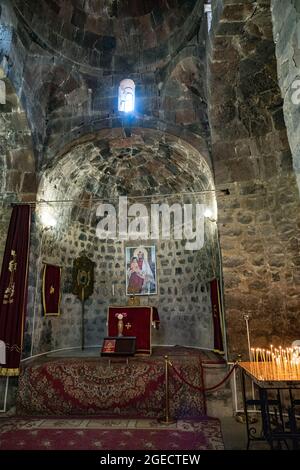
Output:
(221, 192)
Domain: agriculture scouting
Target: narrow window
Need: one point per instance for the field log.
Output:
(208, 11)
(126, 96)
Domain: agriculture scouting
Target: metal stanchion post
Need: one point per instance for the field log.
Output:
(167, 419)
(246, 318)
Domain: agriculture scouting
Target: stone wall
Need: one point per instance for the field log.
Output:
(16, 158)
(66, 62)
(84, 149)
(102, 166)
(183, 297)
(259, 222)
(17, 164)
(286, 26)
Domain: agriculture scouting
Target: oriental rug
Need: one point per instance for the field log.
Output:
(109, 434)
(90, 386)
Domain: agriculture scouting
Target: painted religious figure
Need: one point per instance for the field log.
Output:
(141, 278)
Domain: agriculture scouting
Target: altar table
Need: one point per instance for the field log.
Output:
(138, 321)
(89, 386)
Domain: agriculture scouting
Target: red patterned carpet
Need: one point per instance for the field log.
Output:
(93, 434)
(88, 386)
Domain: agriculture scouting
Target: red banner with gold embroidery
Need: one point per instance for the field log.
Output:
(51, 289)
(13, 288)
(216, 304)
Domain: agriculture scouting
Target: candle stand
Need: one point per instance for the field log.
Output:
(278, 399)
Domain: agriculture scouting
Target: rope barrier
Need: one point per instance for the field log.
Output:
(201, 389)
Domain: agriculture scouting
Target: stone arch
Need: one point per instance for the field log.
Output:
(172, 163)
(102, 166)
(251, 156)
(84, 132)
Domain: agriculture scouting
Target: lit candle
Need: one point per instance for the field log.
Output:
(277, 363)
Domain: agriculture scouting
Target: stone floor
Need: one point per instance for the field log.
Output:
(109, 434)
(235, 438)
(234, 434)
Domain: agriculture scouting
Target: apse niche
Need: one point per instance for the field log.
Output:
(149, 168)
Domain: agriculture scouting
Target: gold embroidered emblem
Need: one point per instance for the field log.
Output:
(52, 290)
(10, 290)
(128, 326)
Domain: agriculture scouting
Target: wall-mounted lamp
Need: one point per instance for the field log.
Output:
(208, 214)
(47, 219)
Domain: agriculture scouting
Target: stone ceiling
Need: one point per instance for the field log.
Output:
(148, 162)
(67, 58)
(124, 8)
(115, 35)
(110, 165)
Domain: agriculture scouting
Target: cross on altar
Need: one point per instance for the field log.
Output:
(139, 322)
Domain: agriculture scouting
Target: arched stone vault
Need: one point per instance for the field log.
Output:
(119, 128)
(66, 63)
(259, 223)
(114, 36)
(66, 96)
(108, 164)
(99, 168)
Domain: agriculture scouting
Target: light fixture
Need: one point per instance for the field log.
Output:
(208, 213)
(47, 219)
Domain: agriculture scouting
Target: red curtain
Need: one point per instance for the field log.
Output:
(13, 288)
(216, 304)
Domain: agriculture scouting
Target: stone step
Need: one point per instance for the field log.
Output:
(219, 402)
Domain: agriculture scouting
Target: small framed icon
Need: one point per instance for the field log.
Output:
(119, 346)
